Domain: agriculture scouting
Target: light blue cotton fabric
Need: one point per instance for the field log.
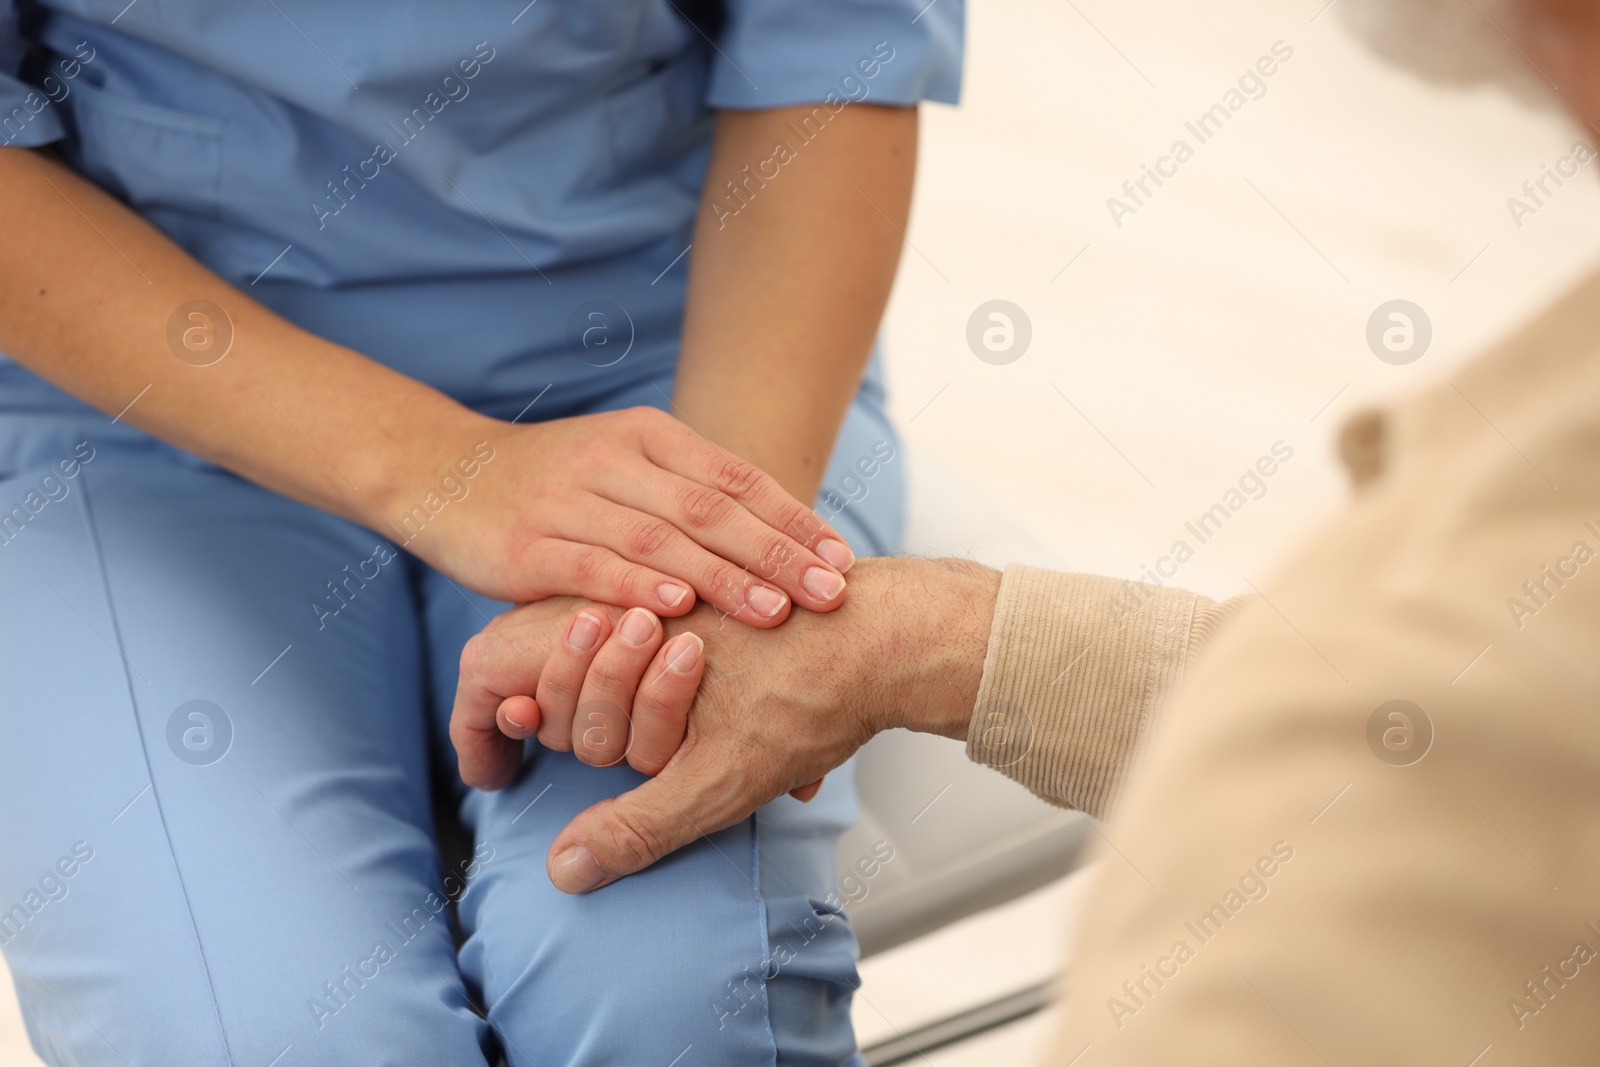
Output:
(444, 185)
(288, 898)
(454, 189)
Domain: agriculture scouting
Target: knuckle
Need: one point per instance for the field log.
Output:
(591, 566)
(727, 585)
(647, 539)
(703, 506)
(777, 555)
(554, 689)
(652, 704)
(626, 583)
(649, 755)
(801, 524)
(735, 477)
(638, 841)
(643, 417)
(609, 676)
(474, 657)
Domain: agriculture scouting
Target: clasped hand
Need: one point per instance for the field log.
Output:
(772, 713)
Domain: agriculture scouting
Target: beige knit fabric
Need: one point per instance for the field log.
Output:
(1076, 667)
(1367, 830)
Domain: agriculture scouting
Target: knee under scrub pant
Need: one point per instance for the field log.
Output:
(219, 845)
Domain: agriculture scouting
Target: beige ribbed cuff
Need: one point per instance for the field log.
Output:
(1076, 667)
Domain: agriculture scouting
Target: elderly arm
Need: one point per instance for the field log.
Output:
(1076, 668)
(939, 646)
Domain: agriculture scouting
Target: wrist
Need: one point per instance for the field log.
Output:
(789, 439)
(412, 470)
(931, 633)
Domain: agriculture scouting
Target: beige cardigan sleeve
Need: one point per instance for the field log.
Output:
(1076, 666)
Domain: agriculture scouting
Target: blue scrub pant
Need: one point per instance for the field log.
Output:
(218, 842)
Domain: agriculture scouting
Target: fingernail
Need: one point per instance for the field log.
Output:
(822, 584)
(575, 871)
(671, 593)
(638, 626)
(584, 633)
(512, 719)
(837, 555)
(685, 653)
(766, 600)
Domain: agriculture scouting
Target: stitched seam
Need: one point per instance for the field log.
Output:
(155, 793)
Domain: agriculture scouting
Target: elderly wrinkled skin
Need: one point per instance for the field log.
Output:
(775, 711)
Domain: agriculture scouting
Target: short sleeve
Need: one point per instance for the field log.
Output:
(774, 53)
(28, 118)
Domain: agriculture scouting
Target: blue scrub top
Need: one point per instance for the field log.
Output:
(457, 189)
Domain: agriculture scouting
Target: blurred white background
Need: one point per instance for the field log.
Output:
(1169, 354)
(1223, 316)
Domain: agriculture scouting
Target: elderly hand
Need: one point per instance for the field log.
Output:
(773, 711)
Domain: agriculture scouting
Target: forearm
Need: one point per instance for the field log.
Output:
(89, 293)
(795, 251)
(1052, 678)
(1076, 671)
(928, 622)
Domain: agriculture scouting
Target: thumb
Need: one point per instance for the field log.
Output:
(689, 799)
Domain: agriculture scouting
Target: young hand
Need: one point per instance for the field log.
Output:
(631, 508)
